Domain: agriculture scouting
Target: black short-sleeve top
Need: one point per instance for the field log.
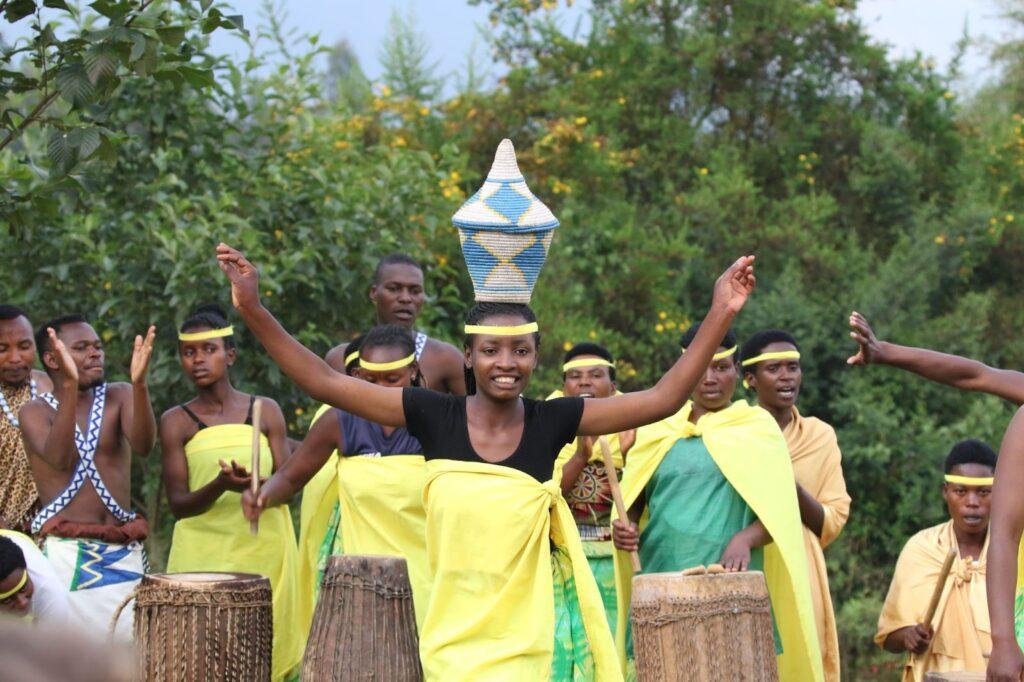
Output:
(438, 421)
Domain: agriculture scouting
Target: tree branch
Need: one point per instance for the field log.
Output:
(28, 120)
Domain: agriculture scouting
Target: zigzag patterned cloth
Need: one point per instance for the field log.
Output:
(86, 445)
(98, 577)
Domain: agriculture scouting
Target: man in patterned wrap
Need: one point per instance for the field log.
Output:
(19, 383)
(79, 440)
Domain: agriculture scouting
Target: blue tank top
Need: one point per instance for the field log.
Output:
(366, 438)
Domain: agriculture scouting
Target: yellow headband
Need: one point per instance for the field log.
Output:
(386, 366)
(969, 480)
(518, 330)
(587, 362)
(354, 355)
(721, 356)
(778, 355)
(17, 588)
(211, 334)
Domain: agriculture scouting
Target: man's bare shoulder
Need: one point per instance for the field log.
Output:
(43, 382)
(336, 357)
(442, 350)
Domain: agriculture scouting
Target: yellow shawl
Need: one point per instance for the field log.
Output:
(491, 613)
(219, 538)
(962, 631)
(747, 446)
(319, 496)
(817, 466)
(381, 502)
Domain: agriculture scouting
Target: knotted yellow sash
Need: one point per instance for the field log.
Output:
(491, 613)
(747, 446)
(382, 513)
(219, 538)
(319, 496)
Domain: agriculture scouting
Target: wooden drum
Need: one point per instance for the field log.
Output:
(194, 627)
(955, 676)
(703, 627)
(364, 626)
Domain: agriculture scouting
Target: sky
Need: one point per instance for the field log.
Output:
(451, 26)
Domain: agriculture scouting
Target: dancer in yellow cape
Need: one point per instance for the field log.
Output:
(1005, 581)
(493, 512)
(714, 484)
(958, 636)
(206, 444)
(588, 371)
(380, 472)
(319, 519)
(771, 368)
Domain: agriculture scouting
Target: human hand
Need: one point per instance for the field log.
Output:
(66, 367)
(234, 477)
(245, 278)
(736, 556)
(870, 350)
(253, 504)
(734, 285)
(141, 354)
(585, 448)
(625, 536)
(1006, 664)
(917, 638)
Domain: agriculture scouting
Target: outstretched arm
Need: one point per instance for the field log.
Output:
(632, 410)
(1007, 662)
(812, 512)
(303, 366)
(323, 438)
(943, 368)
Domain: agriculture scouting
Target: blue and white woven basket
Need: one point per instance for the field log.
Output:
(505, 232)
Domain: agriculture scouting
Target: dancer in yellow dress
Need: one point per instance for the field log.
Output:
(206, 445)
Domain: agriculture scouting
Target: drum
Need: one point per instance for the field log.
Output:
(194, 627)
(364, 625)
(955, 676)
(703, 627)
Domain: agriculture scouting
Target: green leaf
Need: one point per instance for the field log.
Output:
(74, 84)
(56, 4)
(171, 35)
(111, 9)
(19, 9)
(84, 140)
(198, 78)
(59, 149)
(237, 20)
(101, 61)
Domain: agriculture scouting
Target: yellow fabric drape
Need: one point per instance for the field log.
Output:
(319, 496)
(491, 613)
(747, 446)
(962, 631)
(817, 466)
(219, 538)
(382, 513)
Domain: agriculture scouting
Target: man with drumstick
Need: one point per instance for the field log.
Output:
(79, 440)
(958, 635)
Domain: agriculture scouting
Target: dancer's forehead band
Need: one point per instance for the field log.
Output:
(778, 355)
(517, 330)
(723, 354)
(17, 588)
(969, 480)
(209, 334)
(586, 362)
(386, 366)
(354, 355)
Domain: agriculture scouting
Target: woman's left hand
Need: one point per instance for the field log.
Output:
(736, 556)
(735, 285)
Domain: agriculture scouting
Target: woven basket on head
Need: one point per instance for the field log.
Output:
(505, 232)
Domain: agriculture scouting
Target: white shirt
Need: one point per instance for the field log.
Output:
(49, 598)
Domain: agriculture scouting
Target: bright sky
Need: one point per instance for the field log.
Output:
(451, 26)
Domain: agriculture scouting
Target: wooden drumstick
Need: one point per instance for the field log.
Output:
(933, 605)
(620, 505)
(254, 483)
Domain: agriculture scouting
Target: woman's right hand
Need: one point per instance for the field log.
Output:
(734, 285)
(253, 504)
(625, 536)
(245, 278)
(233, 477)
(1006, 664)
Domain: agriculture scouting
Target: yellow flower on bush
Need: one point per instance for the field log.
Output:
(567, 346)
(581, 120)
(622, 100)
(662, 315)
(1009, 217)
(400, 141)
(342, 144)
(940, 239)
(559, 187)
(702, 171)
(107, 285)
(299, 411)
(659, 327)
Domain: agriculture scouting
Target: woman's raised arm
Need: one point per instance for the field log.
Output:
(303, 366)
